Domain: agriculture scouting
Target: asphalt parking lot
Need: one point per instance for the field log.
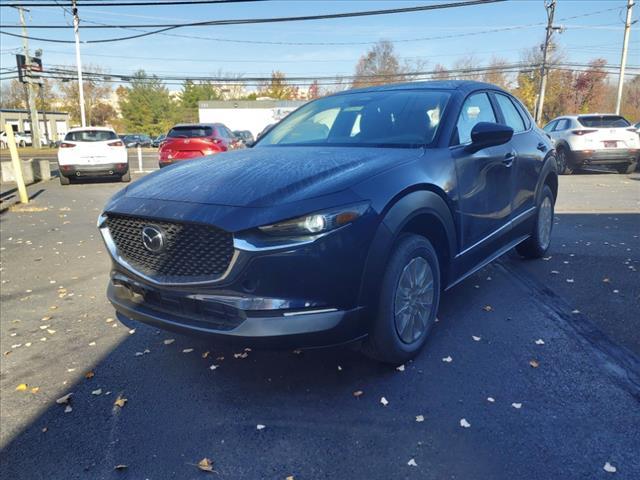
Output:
(539, 358)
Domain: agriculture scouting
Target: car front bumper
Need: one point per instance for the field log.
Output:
(99, 170)
(298, 296)
(613, 156)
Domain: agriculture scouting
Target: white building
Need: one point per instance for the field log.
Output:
(252, 115)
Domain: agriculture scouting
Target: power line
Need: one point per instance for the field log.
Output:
(24, 3)
(251, 21)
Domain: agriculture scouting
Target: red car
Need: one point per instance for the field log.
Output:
(187, 141)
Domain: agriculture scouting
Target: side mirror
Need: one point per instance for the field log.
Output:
(488, 134)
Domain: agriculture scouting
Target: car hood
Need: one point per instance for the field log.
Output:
(262, 177)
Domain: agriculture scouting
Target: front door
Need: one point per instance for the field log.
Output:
(485, 184)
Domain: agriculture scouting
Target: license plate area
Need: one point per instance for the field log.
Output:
(610, 144)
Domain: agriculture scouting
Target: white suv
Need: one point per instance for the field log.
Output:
(594, 140)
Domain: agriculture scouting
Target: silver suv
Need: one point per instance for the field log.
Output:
(594, 140)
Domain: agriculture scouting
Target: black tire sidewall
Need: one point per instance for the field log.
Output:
(385, 338)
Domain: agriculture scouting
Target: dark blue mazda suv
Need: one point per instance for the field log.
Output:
(344, 222)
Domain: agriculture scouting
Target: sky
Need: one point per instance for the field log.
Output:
(222, 48)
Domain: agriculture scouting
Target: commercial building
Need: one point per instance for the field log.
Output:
(53, 125)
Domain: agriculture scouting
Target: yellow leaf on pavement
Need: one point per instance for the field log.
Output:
(120, 401)
(205, 465)
(22, 387)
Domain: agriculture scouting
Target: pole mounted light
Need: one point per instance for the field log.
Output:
(76, 27)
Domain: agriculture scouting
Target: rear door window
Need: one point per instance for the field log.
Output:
(549, 126)
(511, 115)
(91, 136)
(603, 121)
(477, 108)
(192, 131)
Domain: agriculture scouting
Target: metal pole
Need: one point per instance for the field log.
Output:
(623, 61)
(139, 159)
(76, 25)
(550, 5)
(17, 165)
(31, 97)
(44, 116)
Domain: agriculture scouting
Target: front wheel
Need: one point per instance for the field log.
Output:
(537, 244)
(628, 168)
(409, 299)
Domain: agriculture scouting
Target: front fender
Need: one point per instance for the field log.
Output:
(397, 216)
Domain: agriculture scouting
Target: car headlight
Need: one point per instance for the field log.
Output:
(316, 223)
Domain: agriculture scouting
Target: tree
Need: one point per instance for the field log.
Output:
(496, 75)
(379, 65)
(314, 90)
(103, 114)
(589, 88)
(277, 87)
(95, 90)
(146, 105)
(630, 99)
(12, 95)
(441, 73)
(192, 93)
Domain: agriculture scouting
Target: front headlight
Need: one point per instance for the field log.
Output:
(316, 223)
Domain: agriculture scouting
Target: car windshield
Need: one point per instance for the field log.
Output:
(394, 118)
(91, 136)
(603, 121)
(190, 131)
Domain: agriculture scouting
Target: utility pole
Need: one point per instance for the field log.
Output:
(550, 6)
(31, 96)
(76, 25)
(623, 61)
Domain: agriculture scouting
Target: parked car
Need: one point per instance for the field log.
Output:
(136, 140)
(21, 139)
(345, 222)
(594, 140)
(265, 130)
(245, 136)
(158, 140)
(188, 141)
(92, 152)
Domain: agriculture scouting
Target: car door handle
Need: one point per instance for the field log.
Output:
(542, 147)
(508, 159)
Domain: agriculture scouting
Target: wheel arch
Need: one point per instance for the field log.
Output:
(548, 176)
(423, 211)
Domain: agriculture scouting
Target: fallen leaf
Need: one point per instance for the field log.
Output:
(92, 344)
(205, 354)
(384, 401)
(447, 359)
(297, 351)
(89, 374)
(68, 409)
(35, 389)
(491, 399)
(120, 467)
(132, 331)
(400, 368)
(569, 280)
(187, 350)
(534, 363)
(109, 320)
(22, 387)
(64, 399)
(464, 423)
(205, 465)
(517, 406)
(575, 312)
(240, 355)
(290, 477)
(477, 339)
(412, 463)
(606, 280)
(358, 393)
(487, 308)
(120, 401)
(419, 418)
(609, 468)
(44, 429)
(260, 427)
(539, 342)
(45, 318)
(169, 341)
(97, 392)
(213, 367)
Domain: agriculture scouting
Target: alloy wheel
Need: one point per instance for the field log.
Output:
(414, 300)
(545, 221)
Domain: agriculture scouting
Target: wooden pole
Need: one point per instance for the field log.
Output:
(17, 165)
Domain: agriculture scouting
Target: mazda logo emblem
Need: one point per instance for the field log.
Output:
(153, 238)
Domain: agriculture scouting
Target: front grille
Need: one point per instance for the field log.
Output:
(192, 252)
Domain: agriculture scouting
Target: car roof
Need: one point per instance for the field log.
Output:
(82, 129)
(459, 85)
(198, 125)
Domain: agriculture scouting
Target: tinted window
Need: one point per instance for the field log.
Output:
(549, 126)
(511, 115)
(603, 121)
(383, 119)
(524, 113)
(563, 124)
(91, 136)
(192, 131)
(477, 108)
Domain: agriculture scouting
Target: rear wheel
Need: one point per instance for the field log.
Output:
(409, 299)
(126, 177)
(538, 243)
(562, 160)
(64, 180)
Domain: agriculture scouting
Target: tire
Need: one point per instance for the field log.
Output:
(388, 342)
(537, 244)
(22, 144)
(64, 180)
(562, 160)
(627, 169)
(126, 178)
